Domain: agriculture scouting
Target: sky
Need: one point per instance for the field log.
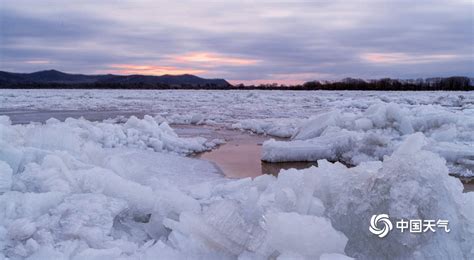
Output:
(243, 41)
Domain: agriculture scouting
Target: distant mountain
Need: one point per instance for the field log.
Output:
(166, 79)
(58, 77)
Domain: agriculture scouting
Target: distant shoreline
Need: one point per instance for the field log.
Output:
(238, 89)
(53, 79)
(283, 88)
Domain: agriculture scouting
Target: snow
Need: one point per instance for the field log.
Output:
(124, 188)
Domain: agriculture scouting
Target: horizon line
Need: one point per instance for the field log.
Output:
(244, 82)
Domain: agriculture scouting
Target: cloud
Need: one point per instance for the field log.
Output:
(214, 59)
(241, 40)
(405, 58)
(150, 70)
(38, 62)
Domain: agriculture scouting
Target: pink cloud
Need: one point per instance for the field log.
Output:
(37, 62)
(213, 59)
(151, 70)
(404, 58)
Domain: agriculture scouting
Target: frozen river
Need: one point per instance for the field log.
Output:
(181, 106)
(135, 174)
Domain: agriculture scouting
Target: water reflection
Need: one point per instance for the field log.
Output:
(243, 160)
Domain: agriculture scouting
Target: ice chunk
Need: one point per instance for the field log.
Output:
(308, 236)
(220, 228)
(329, 146)
(445, 133)
(98, 254)
(280, 127)
(88, 216)
(315, 126)
(21, 229)
(5, 177)
(363, 124)
(5, 120)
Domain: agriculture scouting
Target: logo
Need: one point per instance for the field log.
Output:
(380, 225)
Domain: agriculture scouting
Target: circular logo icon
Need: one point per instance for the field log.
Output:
(380, 225)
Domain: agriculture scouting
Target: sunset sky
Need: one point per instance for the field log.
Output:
(241, 41)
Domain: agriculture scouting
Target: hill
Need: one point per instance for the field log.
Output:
(57, 78)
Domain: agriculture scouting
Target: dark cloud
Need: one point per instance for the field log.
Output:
(299, 40)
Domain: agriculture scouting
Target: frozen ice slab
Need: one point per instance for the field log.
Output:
(146, 167)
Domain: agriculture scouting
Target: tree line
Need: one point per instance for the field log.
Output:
(384, 84)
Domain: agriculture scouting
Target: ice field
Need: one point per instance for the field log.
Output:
(125, 187)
